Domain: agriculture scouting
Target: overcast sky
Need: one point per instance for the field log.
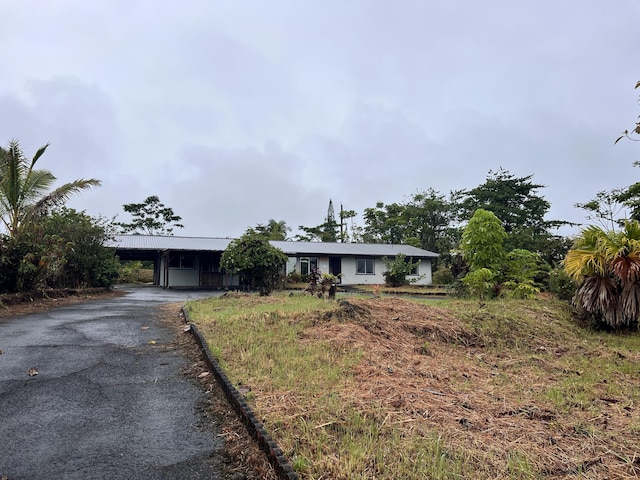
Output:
(235, 112)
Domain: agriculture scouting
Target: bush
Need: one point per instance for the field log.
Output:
(259, 264)
(443, 276)
(130, 271)
(479, 282)
(295, 277)
(562, 285)
(398, 269)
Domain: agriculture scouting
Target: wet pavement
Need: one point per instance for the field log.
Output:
(108, 400)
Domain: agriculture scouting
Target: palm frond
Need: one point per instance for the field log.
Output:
(629, 304)
(38, 154)
(598, 294)
(60, 195)
(579, 263)
(626, 268)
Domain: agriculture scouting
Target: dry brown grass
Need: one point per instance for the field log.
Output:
(521, 394)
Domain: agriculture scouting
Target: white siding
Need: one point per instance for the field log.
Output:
(350, 277)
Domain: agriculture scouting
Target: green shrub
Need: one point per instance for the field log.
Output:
(443, 276)
(562, 285)
(398, 269)
(479, 282)
(130, 271)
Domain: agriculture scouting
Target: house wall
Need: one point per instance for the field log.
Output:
(189, 277)
(350, 277)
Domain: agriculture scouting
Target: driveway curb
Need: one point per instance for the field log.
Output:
(274, 453)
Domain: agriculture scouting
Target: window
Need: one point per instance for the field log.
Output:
(364, 266)
(307, 264)
(181, 261)
(209, 264)
(414, 271)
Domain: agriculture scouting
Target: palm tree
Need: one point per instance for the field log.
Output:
(606, 264)
(24, 190)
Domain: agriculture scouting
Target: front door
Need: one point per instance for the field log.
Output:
(335, 267)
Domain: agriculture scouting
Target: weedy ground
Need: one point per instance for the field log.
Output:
(388, 388)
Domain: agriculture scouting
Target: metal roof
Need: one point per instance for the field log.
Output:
(364, 249)
(157, 242)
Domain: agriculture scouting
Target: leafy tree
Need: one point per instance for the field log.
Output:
(25, 191)
(521, 269)
(552, 248)
(630, 198)
(429, 220)
(608, 208)
(258, 263)
(273, 230)
(606, 266)
(561, 284)
(425, 220)
(19, 265)
(482, 241)
(398, 269)
(385, 223)
(311, 234)
(329, 230)
(514, 200)
(65, 249)
(150, 217)
(75, 255)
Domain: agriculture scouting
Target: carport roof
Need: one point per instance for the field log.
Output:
(161, 243)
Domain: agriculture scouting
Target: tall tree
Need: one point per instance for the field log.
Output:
(385, 223)
(425, 220)
(482, 241)
(330, 225)
(344, 228)
(515, 201)
(328, 231)
(430, 218)
(25, 192)
(273, 230)
(150, 217)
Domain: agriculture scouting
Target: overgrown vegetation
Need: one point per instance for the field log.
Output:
(45, 244)
(397, 269)
(607, 266)
(391, 388)
(259, 264)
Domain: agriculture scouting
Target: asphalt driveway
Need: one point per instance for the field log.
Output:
(108, 399)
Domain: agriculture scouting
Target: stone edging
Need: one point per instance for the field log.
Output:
(274, 453)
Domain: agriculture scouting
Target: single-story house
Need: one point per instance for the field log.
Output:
(195, 261)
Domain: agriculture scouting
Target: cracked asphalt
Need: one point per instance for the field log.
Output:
(109, 399)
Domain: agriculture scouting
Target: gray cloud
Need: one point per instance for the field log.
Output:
(235, 113)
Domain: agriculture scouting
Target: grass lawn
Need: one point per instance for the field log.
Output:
(390, 388)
